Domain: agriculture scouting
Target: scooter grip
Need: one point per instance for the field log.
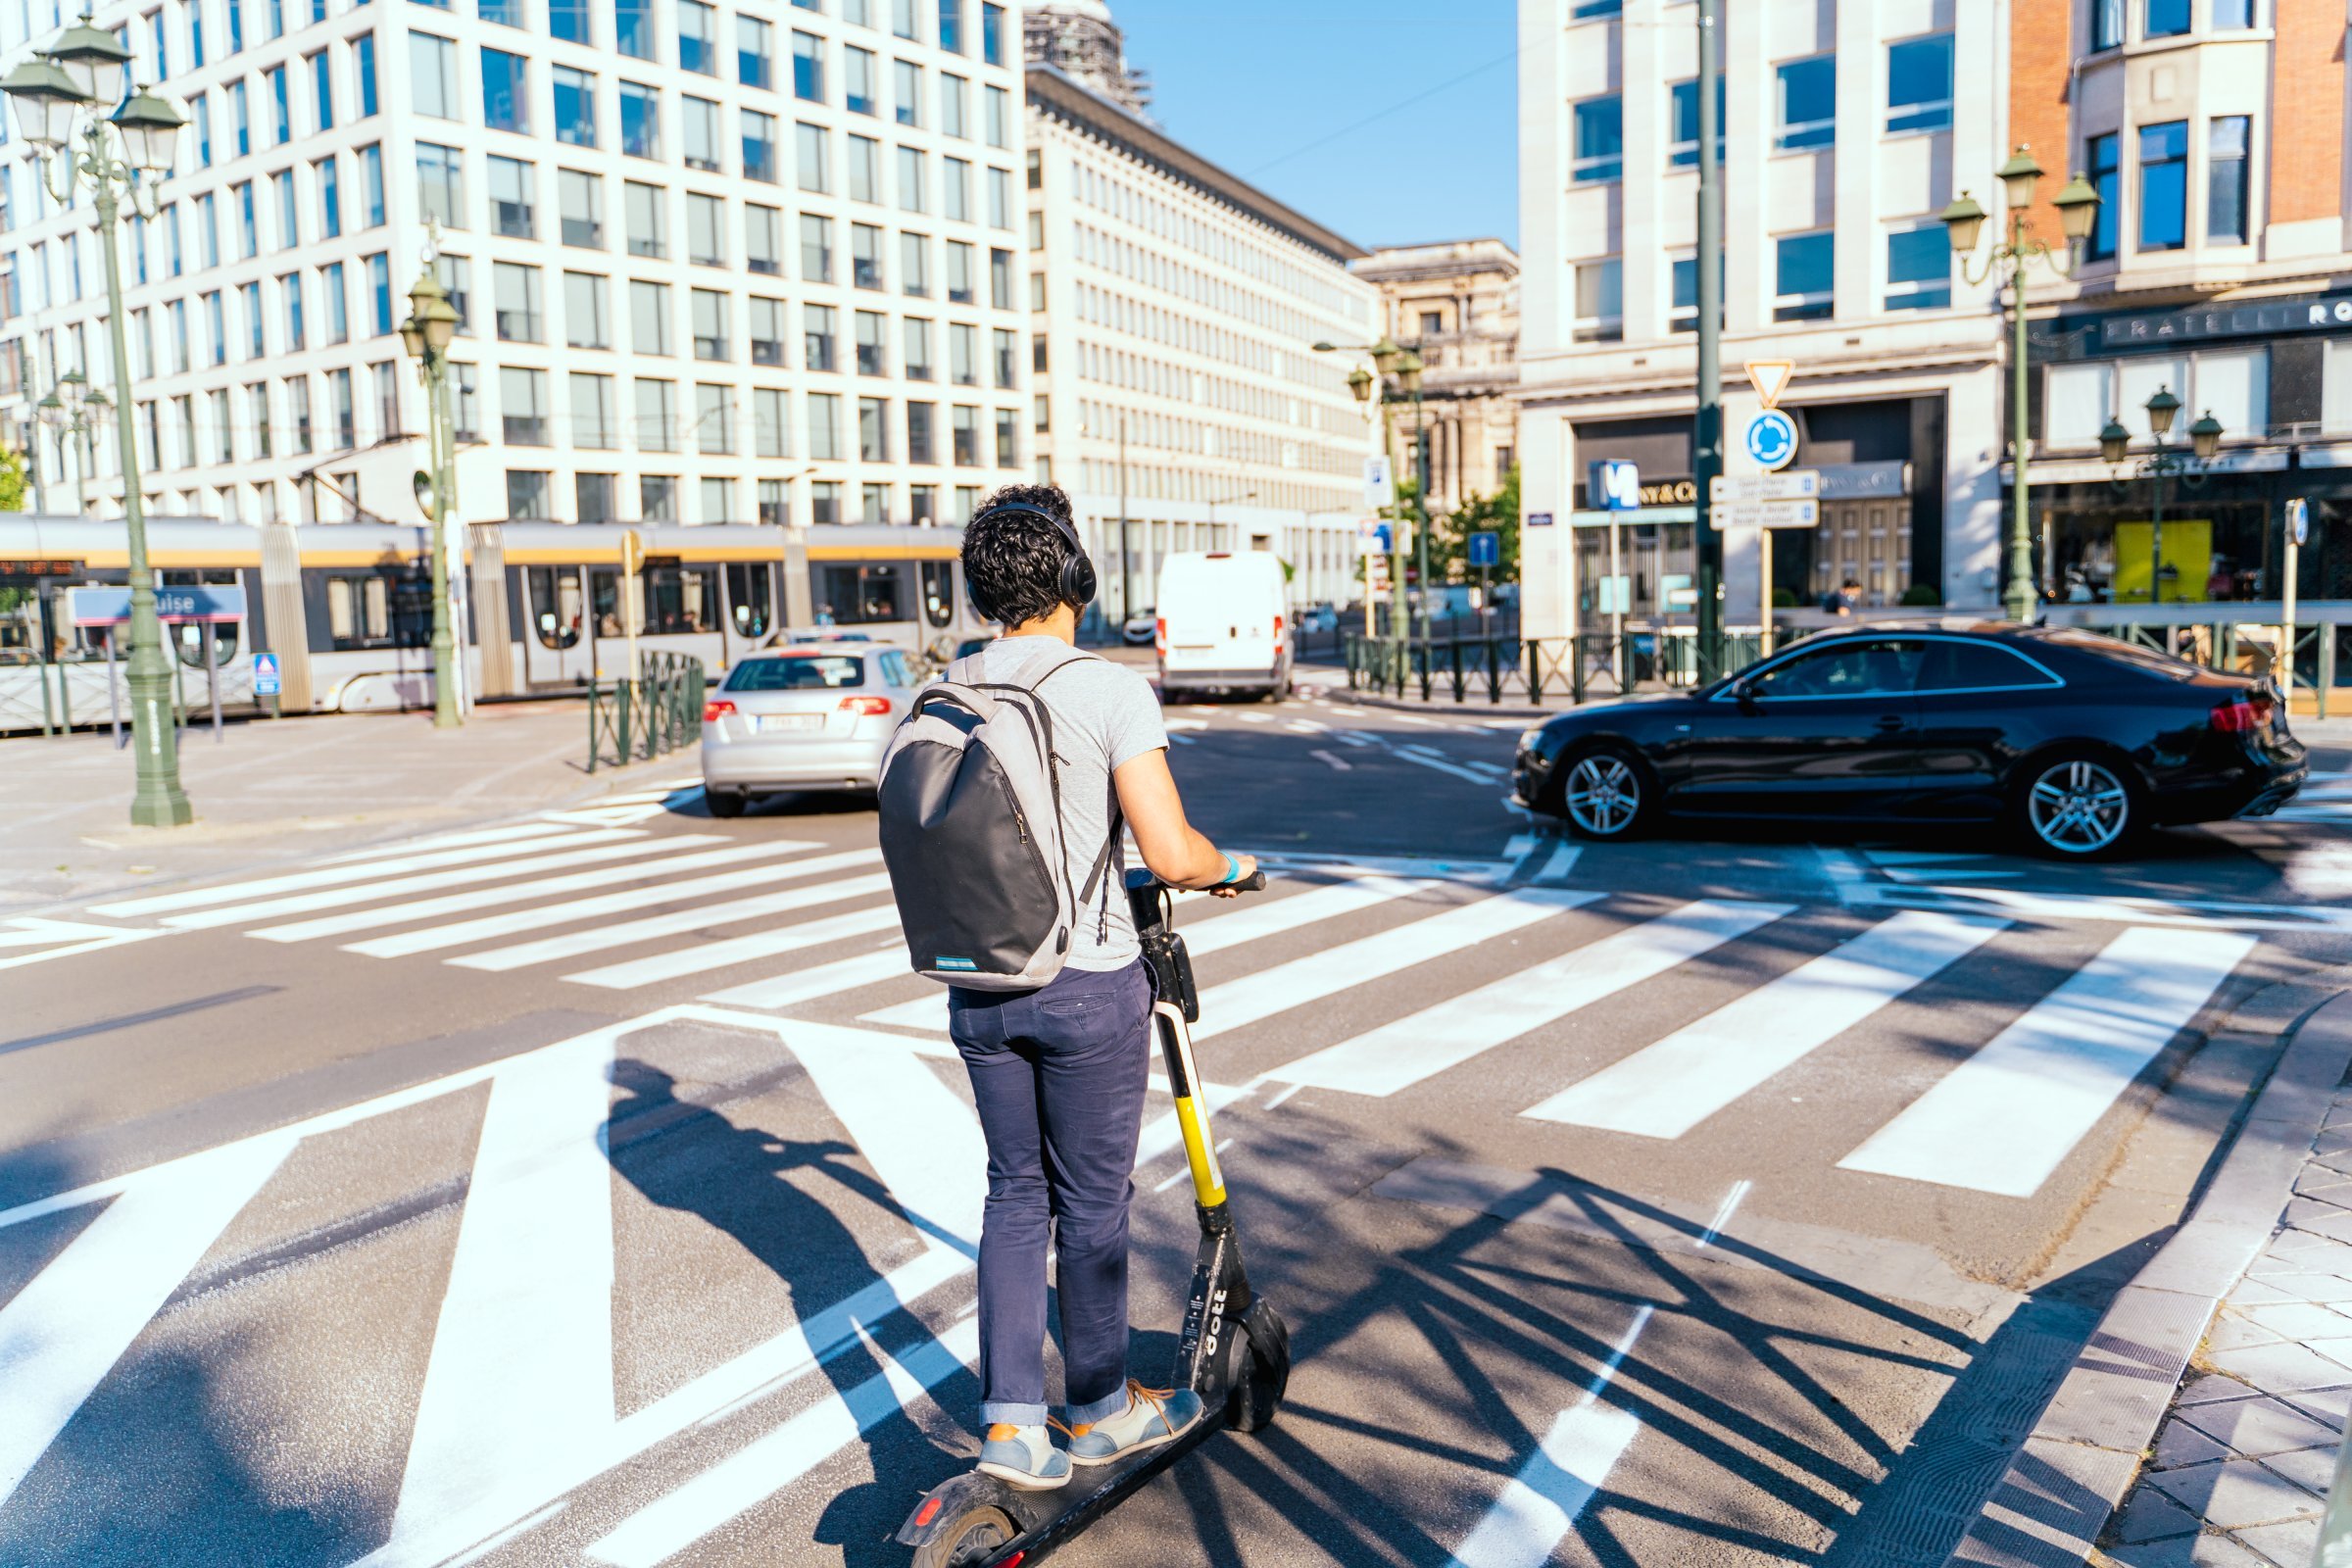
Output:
(1255, 882)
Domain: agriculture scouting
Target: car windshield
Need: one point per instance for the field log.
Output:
(2124, 653)
(797, 672)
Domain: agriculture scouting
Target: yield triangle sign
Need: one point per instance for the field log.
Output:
(1770, 378)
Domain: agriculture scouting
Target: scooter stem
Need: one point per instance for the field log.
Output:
(1192, 1106)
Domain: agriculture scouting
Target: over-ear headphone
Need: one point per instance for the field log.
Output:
(1077, 583)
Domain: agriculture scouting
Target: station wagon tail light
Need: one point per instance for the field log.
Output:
(2243, 716)
(717, 709)
(866, 705)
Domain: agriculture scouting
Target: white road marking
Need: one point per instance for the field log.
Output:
(1563, 860)
(631, 848)
(459, 933)
(2205, 914)
(1444, 767)
(1173, 723)
(1521, 849)
(1402, 1053)
(64, 938)
(408, 914)
(571, 944)
(1723, 1212)
(1251, 922)
(1664, 1089)
(1238, 1004)
(350, 871)
(703, 956)
(1350, 712)
(520, 1385)
(824, 980)
(1309, 727)
(64, 1330)
(1252, 718)
(537, 829)
(1349, 738)
(2003, 1120)
(1333, 760)
(1541, 1503)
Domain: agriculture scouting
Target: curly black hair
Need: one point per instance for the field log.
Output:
(1011, 561)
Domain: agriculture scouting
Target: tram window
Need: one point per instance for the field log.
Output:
(939, 591)
(20, 625)
(604, 602)
(862, 596)
(681, 600)
(187, 642)
(556, 605)
(359, 610)
(747, 597)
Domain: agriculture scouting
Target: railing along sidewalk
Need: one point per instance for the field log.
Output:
(638, 720)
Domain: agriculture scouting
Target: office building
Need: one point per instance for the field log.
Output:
(1456, 304)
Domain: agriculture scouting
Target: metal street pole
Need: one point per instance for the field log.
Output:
(1421, 522)
(444, 644)
(157, 801)
(2020, 598)
(1706, 445)
(1126, 571)
(2297, 512)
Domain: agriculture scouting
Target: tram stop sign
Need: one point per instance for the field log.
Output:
(264, 676)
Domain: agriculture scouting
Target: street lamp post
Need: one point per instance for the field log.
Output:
(1387, 358)
(2077, 206)
(85, 70)
(74, 411)
(2165, 463)
(432, 322)
(1409, 377)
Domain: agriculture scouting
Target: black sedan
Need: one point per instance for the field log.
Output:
(2074, 741)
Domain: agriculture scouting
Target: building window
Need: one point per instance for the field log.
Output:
(916, 341)
(808, 71)
(527, 492)
(771, 428)
(959, 272)
(640, 121)
(866, 256)
(1807, 91)
(371, 184)
(657, 497)
(347, 420)
(963, 436)
(586, 312)
(1804, 275)
(991, 34)
(907, 96)
(633, 28)
(914, 265)
(762, 239)
(698, 38)
(455, 275)
(2106, 24)
(323, 92)
(379, 291)
(922, 442)
(362, 57)
(512, 202)
(759, 146)
(951, 25)
(1005, 359)
(815, 158)
(575, 107)
(506, 91)
(592, 421)
(2163, 185)
(754, 51)
(1918, 267)
(580, 198)
(594, 497)
(568, 20)
(441, 185)
(913, 179)
(2166, 19)
(857, 82)
(816, 337)
(824, 431)
(1682, 150)
(1919, 83)
(2104, 156)
(656, 419)
(956, 189)
(649, 317)
(714, 420)
(866, 170)
(648, 234)
(1600, 140)
(515, 294)
(1008, 423)
(873, 429)
(2233, 16)
(1599, 301)
(816, 249)
(767, 331)
(706, 229)
(2227, 139)
(717, 499)
(709, 308)
(433, 68)
(701, 118)
(871, 327)
(1000, 279)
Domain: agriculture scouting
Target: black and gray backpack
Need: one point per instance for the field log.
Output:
(971, 833)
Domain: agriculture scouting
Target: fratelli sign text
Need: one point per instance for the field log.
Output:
(2253, 318)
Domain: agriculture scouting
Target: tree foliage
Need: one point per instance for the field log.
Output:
(1450, 535)
(12, 479)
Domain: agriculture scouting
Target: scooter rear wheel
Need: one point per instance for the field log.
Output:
(1258, 1370)
(972, 1538)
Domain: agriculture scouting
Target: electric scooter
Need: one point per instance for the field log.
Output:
(1234, 1350)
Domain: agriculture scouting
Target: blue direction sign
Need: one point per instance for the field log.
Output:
(1486, 550)
(111, 607)
(1771, 439)
(264, 676)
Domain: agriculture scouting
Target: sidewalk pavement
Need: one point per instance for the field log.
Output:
(277, 790)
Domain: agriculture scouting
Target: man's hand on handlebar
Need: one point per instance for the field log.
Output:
(1250, 880)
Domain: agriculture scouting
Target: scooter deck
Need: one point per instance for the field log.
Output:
(1092, 1492)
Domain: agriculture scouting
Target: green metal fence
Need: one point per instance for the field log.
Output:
(1538, 669)
(637, 720)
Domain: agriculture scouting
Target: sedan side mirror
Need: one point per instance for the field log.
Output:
(1743, 691)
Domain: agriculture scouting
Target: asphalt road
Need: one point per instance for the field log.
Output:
(597, 1187)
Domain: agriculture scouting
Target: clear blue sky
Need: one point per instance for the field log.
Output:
(1255, 86)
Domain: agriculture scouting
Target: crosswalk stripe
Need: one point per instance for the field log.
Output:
(621, 848)
(536, 828)
(823, 980)
(1665, 1090)
(64, 1330)
(572, 945)
(2001, 1121)
(520, 1377)
(354, 871)
(705, 957)
(460, 933)
(1251, 922)
(1238, 1004)
(1406, 1050)
(407, 913)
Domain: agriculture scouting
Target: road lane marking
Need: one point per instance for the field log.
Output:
(823, 980)
(635, 846)
(1540, 1504)
(412, 911)
(536, 828)
(1238, 1004)
(1333, 759)
(1724, 1212)
(1664, 1089)
(1404, 1052)
(1251, 922)
(64, 1330)
(64, 938)
(571, 944)
(1563, 860)
(462, 932)
(703, 958)
(2205, 914)
(520, 1384)
(1442, 766)
(2003, 1120)
(354, 872)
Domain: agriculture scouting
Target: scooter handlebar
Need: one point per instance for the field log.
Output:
(1255, 882)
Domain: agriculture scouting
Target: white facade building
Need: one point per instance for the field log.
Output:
(1175, 312)
(717, 262)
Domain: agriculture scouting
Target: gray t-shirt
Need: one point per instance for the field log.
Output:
(1103, 713)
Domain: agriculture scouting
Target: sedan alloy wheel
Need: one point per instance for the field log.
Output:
(2079, 807)
(1603, 794)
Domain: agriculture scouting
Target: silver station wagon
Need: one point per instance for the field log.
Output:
(806, 717)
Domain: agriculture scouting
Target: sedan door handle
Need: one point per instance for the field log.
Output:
(1889, 723)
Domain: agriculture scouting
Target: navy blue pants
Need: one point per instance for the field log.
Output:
(1059, 1074)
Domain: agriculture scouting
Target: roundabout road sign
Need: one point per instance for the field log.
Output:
(1771, 439)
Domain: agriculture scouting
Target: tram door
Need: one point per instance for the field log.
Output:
(556, 649)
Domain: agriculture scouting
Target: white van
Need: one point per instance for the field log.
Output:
(1221, 625)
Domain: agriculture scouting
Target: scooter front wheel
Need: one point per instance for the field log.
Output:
(1258, 1370)
(970, 1539)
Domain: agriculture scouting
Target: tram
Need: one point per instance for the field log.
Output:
(347, 608)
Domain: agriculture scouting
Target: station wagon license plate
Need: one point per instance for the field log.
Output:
(778, 723)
